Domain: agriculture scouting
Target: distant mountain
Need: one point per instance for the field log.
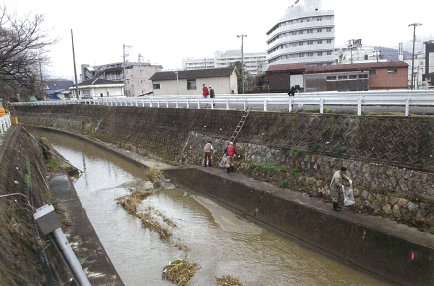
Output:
(391, 54)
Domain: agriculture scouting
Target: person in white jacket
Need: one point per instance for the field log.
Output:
(336, 187)
(207, 153)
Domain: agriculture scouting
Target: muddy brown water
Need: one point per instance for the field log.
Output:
(222, 243)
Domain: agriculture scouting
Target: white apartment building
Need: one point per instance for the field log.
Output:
(356, 53)
(254, 62)
(305, 34)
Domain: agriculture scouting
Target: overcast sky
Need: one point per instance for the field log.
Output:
(164, 32)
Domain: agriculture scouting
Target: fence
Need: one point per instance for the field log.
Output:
(404, 98)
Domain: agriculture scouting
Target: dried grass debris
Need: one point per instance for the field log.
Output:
(180, 272)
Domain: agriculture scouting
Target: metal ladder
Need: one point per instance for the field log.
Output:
(238, 129)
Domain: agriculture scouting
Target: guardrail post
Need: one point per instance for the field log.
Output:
(245, 104)
(359, 106)
(116, 100)
(150, 103)
(227, 104)
(167, 103)
(212, 103)
(188, 103)
(198, 104)
(265, 105)
(290, 105)
(177, 104)
(143, 102)
(158, 103)
(407, 106)
(321, 105)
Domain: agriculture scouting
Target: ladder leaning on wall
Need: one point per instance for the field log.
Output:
(238, 129)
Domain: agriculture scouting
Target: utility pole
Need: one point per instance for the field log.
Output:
(242, 60)
(123, 66)
(412, 58)
(75, 69)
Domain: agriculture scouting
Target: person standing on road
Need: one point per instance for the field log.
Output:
(230, 152)
(207, 154)
(336, 187)
(205, 93)
(211, 94)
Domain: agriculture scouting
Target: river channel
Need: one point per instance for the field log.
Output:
(219, 241)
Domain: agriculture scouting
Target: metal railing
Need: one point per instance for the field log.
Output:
(5, 123)
(266, 102)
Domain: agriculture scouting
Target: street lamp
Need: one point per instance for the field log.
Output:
(242, 61)
(412, 58)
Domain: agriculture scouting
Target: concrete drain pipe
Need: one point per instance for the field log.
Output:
(49, 223)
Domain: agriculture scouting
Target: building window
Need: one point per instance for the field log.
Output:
(342, 77)
(191, 84)
(363, 75)
(329, 53)
(319, 42)
(366, 57)
(329, 41)
(301, 55)
(331, 77)
(310, 31)
(329, 29)
(310, 54)
(319, 30)
(373, 72)
(319, 53)
(392, 71)
(300, 32)
(310, 42)
(156, 86)
(300, 43)
(352, 76)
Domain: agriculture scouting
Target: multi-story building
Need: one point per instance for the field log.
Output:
(304, 34)
(136, 78)
(254, 62)
(356, 53)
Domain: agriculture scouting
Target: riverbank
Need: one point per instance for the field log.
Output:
(392, 251)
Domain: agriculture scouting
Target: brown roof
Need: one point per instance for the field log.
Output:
(284, 67)
(192, 74)
(358, 66)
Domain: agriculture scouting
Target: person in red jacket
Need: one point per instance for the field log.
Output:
(230, 152)
(205, 91)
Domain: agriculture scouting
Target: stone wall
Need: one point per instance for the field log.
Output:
(389, 158)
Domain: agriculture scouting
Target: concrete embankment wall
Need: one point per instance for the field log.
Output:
(25, 256)
(380, 248)
(390, 158)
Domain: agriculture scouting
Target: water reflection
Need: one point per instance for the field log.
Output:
(221, 242)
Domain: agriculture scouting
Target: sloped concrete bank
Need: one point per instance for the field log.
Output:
(26, 256)
(394, 252)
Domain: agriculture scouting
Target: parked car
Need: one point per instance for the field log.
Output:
(31, 99)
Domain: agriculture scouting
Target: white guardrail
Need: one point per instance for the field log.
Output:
(5, 123)
(267, 101)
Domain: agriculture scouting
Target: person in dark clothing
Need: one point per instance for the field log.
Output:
(211, 93)
(292, 91)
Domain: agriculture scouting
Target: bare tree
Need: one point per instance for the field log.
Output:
(23, 51)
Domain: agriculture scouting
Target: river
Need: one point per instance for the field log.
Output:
(219, 241)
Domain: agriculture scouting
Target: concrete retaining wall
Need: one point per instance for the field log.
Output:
(379, 247)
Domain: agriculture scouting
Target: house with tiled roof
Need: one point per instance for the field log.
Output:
(98, 88)
(345, 77)
(54, 88)
(189, 82)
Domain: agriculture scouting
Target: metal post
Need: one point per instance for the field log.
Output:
(265, 105)
(321, 105)
(407, 106)
(359, 106)
(412, 58)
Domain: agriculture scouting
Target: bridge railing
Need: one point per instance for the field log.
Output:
(266, 102)
(5, 123)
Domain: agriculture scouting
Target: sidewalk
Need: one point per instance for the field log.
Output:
(81, 234)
